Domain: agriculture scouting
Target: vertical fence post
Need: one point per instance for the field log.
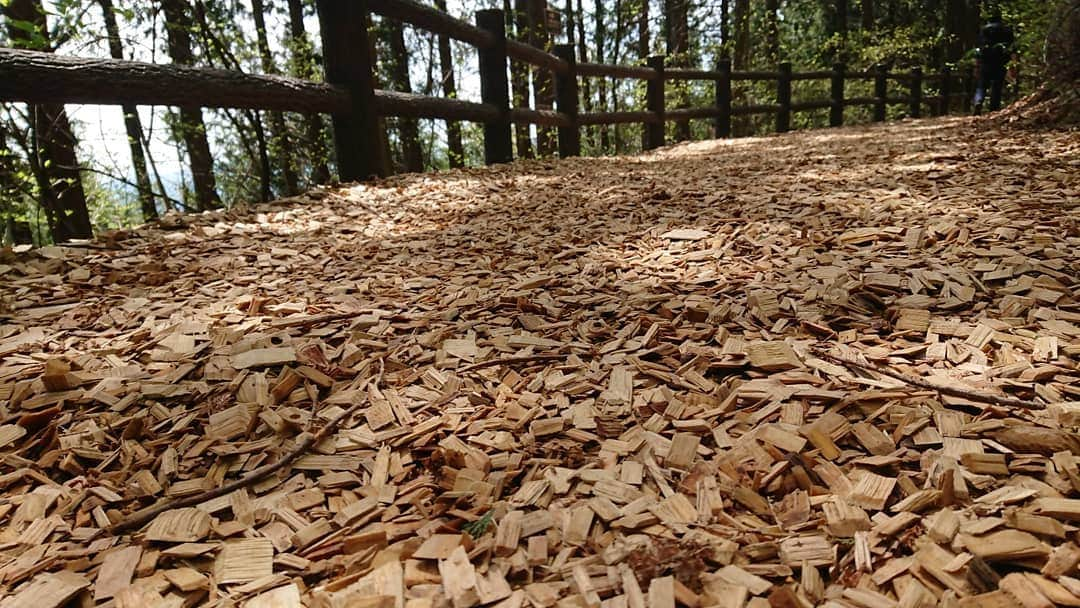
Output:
(836, 110)
(723, 99)
(654, 102)
(881, 92)
(946, 90)
(494, 88)
(347, 61)
(783, 98)
(916, 92)
(566, 102)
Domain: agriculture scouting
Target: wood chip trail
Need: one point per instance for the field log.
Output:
(577, 383)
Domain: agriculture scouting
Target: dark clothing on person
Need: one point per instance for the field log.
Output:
(995, 49)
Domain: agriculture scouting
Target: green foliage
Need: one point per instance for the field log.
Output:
(477, 528)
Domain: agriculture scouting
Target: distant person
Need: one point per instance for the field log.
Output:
(995, 50)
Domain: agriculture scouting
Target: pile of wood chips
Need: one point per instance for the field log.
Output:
(593, 382)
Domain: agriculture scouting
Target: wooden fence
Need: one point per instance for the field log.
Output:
(349, 96)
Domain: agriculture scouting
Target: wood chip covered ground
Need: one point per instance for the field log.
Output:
(612, 382)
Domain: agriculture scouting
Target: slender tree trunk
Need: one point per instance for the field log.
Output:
(455, 150)
(839, 27)
(214, 46)
(304, 67)
(677, 33)
(12, 231)
(741, 58)
(616, 58)
(868, 15)
(166, 200)
(57, 167)
(643, 30)
(644, 47)
(192, 128)
(599, 40)
(517, 17)
(569, 10)
(725, 29)
(132, 123)
(842, 17)
(279, 135)
(409, 132)
(772, 30)
(543, 87)
(586, 84)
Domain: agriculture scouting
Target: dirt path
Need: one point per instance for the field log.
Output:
(681, 439)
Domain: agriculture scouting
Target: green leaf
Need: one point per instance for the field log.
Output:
(477, 528)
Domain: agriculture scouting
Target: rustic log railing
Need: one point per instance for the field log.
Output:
(349, 96)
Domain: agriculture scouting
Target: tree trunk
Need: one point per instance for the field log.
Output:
(868, 15)
(408, 131)
(677, 35)
(192, 128)
(741, 57)
(11, 231)
(725, 29)
(279, 135)
(644, 49)
(517, 18)
(304, 67)
(569, 10)
(132, 124)
(616, 59)
(644, 44)
(212, 42)
(543, 87)
(599, 39)
(455, 150)
(836, 26)
(586, 83)
(55, 165)
(772, 31)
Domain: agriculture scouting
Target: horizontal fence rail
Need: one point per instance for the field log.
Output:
(36, 77)
(354, 104)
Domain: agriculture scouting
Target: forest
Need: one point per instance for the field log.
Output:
(119, 166)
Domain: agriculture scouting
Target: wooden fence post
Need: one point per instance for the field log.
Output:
(723, 98)
(347, 60)
(945, 90)
(836, 110)
(881, 92)
(916, 92)
(494, 88)
(566, 102)
(654, 102)
(783, 98)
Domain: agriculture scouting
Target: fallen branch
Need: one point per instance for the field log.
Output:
(970, 395)
(142, 516)
(508, 360)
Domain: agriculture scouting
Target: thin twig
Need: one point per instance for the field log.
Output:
(508, 360)
(970, 395)
(140, 517)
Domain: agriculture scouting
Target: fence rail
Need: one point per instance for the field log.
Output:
(354, 104)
